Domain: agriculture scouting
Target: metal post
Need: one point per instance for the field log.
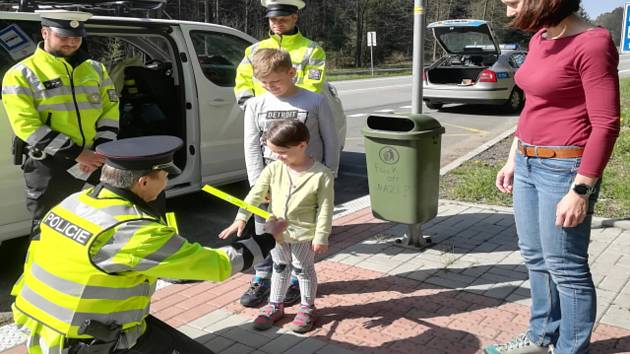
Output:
(418, 56)
(414, 236)
(372, 59)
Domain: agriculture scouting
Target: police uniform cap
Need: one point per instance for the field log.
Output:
(282, 7)
(143, 153)
(65, 23)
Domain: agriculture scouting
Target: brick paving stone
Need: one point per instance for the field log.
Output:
(282, 343)
(307, 346)
(255, 340)
(168, 291)
(238, 348)
(20, 349)
(333, 349)
(167, 302)
(217, 343)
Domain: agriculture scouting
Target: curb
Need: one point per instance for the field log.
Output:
(455, 164)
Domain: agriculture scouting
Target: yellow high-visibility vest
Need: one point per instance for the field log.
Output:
(98, 258)
(308, 58)
(58, 108)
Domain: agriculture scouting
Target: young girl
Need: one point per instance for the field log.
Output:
(301, 191)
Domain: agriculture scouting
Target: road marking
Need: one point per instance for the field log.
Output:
(341, 82)
(474, 130)
(358, 115)
(385, 111)
(405, 107)
(341, 92)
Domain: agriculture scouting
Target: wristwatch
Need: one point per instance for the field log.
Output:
(582, 189)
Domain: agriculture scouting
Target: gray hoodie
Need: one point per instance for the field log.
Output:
(310, 108)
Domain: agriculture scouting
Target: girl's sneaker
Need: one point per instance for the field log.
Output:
(304, 319)
(268, 315)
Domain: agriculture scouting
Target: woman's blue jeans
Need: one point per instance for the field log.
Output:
(562, 290)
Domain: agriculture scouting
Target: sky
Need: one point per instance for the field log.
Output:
(596, 7)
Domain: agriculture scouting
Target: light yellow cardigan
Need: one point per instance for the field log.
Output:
(308, 206)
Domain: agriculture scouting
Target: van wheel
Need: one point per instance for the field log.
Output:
(433, 105)
(514, 104)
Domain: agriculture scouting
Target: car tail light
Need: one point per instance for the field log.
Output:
(488, 76)
(424, 75)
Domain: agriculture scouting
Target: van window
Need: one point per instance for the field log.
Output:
(219, 54)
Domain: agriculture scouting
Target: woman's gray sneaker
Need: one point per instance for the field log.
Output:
(518, 345)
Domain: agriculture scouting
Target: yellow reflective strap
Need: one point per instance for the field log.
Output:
(239, 203)
(171, 220)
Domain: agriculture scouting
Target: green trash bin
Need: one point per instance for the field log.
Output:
(403, 165)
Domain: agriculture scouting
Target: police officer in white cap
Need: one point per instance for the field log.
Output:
(61, 105)
(307, 56)
(309, 61)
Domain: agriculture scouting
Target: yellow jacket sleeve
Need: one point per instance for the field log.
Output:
(157, 251)
(314, 71)
(26, 122)
(244, 82)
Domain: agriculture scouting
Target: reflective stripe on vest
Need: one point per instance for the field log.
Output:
(62, 295)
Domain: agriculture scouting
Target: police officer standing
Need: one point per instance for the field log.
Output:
(309, 60)
(88, 280)
(62, 105)
(307, 56)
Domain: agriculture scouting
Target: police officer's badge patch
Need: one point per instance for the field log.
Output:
(94, 98)
(53, 84)
(315, 74)
(113, 96)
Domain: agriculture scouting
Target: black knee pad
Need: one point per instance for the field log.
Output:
(279, 268)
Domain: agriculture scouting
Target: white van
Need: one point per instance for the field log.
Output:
(186, 71)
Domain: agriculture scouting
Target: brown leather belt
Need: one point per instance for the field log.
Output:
(539, 151)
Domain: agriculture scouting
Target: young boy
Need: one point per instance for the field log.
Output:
(284, 100)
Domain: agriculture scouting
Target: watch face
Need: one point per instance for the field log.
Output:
(580, 189)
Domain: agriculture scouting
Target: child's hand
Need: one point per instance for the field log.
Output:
(318, 249)
(276, 227)
(267, 198)
(237, 226)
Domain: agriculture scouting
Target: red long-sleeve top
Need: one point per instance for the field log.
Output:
(571, 87)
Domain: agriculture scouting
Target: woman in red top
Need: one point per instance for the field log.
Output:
(564, 139)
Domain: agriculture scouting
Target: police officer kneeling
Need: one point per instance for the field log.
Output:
(88, 280)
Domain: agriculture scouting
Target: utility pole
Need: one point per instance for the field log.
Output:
(206, 11)
(418, 55)
(216, 11)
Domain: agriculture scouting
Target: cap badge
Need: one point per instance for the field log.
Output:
(74, 23)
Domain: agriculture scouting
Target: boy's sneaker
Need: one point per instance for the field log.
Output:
(518, 345)
(304, 319)
(268, 315)
(293, 295)
(257, 293)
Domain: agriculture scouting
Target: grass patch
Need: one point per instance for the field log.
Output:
(474, 180)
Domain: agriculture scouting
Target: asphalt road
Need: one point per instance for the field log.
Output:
(201, 216)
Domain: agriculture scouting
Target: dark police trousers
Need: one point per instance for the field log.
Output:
(47, 184)
(159, 338)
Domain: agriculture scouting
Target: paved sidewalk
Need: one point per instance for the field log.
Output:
(375, 296)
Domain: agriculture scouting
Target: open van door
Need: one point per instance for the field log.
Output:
(216, 52)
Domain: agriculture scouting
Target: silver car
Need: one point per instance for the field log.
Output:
(475, 69)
